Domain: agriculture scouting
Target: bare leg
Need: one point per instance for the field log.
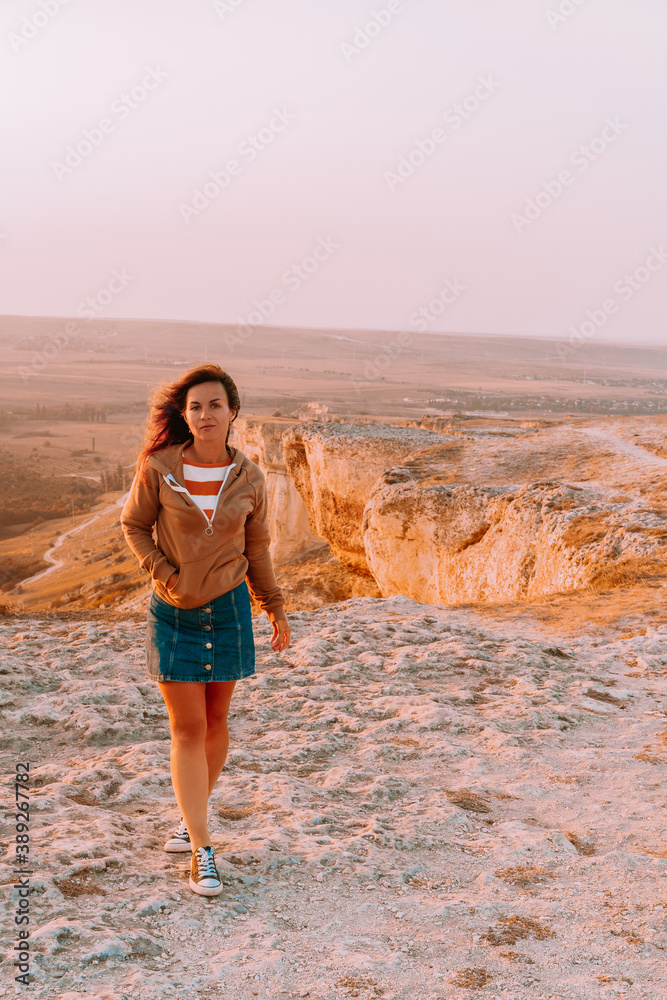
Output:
(186, 704)
(218, 698)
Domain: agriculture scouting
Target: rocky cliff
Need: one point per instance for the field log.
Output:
(491, 515)
(261, 440)
(335, 466)
(448, 544)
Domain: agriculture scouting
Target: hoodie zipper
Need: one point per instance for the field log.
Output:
(175, 485)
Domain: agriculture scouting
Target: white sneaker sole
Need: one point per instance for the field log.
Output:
(203, 890)
(177, 847)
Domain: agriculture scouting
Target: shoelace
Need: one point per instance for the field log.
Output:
(205, 864)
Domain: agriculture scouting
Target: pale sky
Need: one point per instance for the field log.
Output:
(337, 95)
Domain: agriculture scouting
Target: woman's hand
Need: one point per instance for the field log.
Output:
(281, 635)
(172, 581)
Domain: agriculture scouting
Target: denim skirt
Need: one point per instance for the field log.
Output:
(213, 642)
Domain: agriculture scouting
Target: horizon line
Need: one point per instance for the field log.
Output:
(325, 329)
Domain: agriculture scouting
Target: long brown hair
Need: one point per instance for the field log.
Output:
(166, 425)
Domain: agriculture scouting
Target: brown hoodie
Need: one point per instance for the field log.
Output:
(208, 565)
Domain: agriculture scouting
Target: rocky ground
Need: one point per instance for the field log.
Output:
(419, 802)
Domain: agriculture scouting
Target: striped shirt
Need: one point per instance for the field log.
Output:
(203, 482)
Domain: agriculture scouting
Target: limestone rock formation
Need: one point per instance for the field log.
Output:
(260, 438)
(492, 513)
(442, 543)
(334, 467)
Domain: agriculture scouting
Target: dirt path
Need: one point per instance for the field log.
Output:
(632, 450)
(57, 563)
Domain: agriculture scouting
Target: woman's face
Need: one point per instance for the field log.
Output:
(207, 412)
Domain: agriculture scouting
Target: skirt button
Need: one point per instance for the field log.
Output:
(208, 610)
(207, 666)
(208, 645)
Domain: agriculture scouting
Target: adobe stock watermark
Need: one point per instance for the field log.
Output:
(421, 319)
(248, 150)
(377, 366)
(94, 305)
(121, 109)
(292, 279)
(625, 289)
(23, 872)
(555, 187)
(225, 7)
(31, 26)
(89, 308)
(365, 33)
(423, 149)
(565, 9)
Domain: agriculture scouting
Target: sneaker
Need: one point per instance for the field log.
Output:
(180, 840)
(204, 877)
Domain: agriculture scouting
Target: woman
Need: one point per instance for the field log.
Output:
(209, 502)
